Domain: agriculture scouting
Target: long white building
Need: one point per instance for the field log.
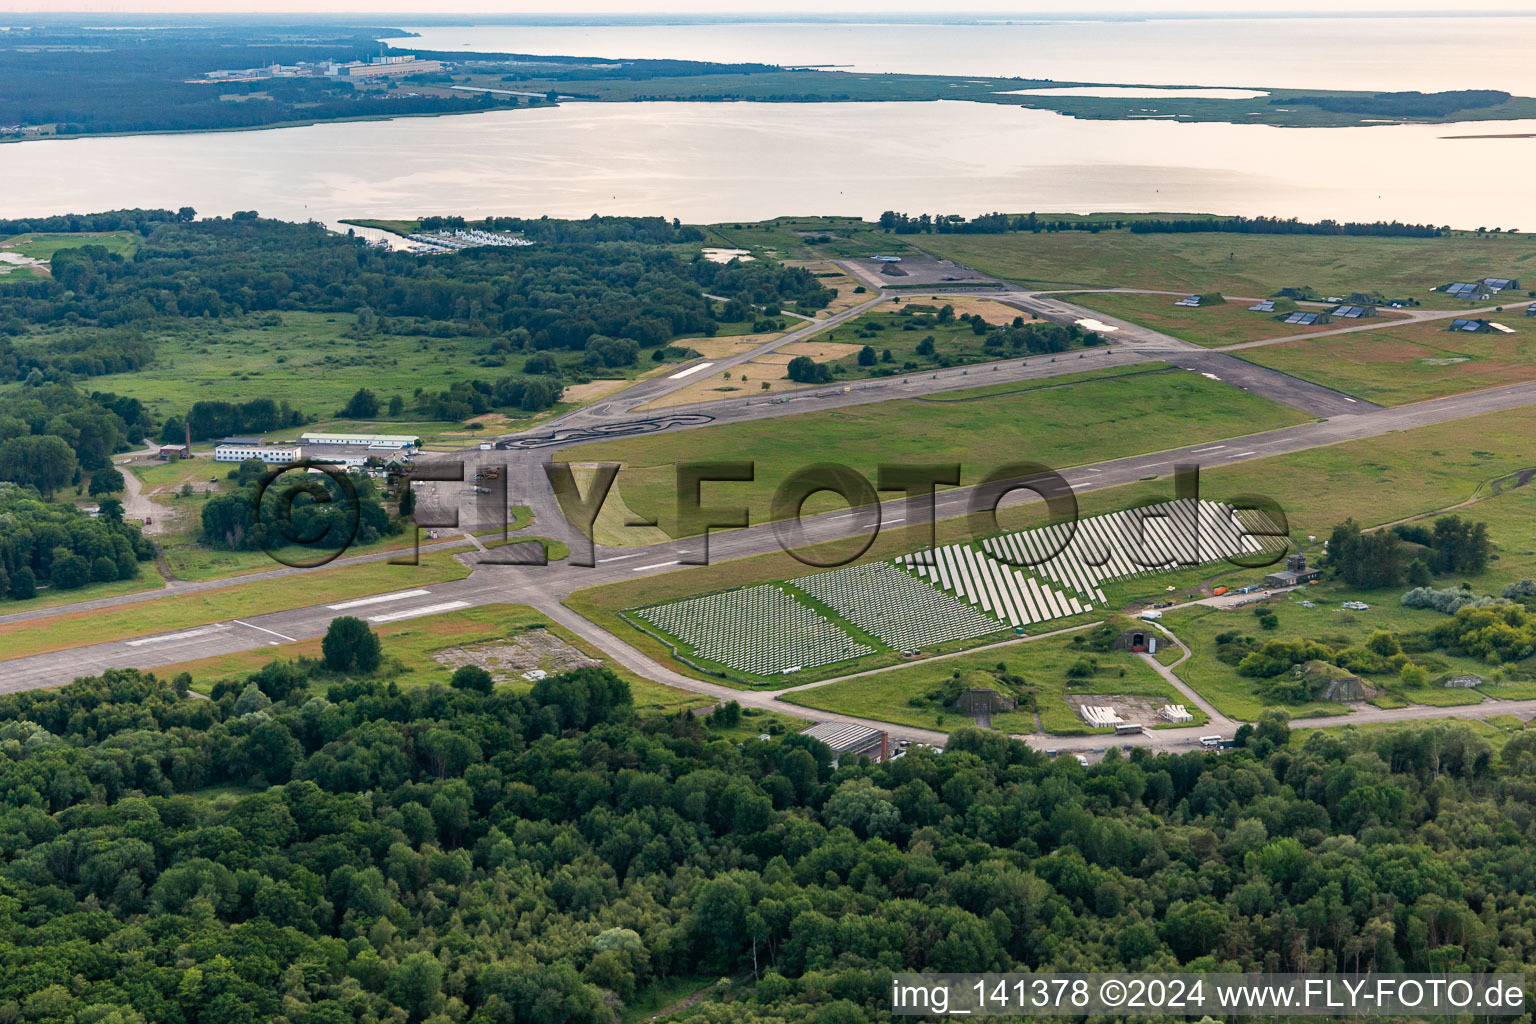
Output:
(238, 449)
(379, 441)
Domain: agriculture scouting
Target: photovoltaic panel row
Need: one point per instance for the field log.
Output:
(1017, 598)
(1130, 543)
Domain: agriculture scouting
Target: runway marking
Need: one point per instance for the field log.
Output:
(1212, 448)
(429, 609)
(1238, 455)
(658, 565)
(620, 558)
(890, 522)
(184, 635)
(365, 602)
(264, 629)
(680, 374)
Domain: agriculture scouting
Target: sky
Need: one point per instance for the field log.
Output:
(706, 7)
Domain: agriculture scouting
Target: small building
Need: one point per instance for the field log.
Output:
(1139, 641)
(1494, 285)
(239, 449)
(1295, 574)
(1192, 301)
(983, 700)
(1466, 681)
(344, 456)
(1467, 326)
(1531, 309)
(1263, 306)
(1306, 319)
(846, 739)
(1350, 311)
(173, 452)
(1176, 713)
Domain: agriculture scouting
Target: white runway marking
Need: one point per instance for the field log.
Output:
(381, 599)
(620, 558)
(680, 374)
(430, 609)
(185, 635)
(658, 565)
(264, 629)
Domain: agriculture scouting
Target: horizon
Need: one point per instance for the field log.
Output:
(715, 11)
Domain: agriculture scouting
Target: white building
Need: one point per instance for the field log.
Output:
(238, 449)
(384, 442)
(1100, 717)
(1176, 713)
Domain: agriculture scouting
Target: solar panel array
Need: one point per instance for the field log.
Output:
(1497, 284)
(1191, 301)
(1351, 312)
(761, 630)
(1531, 309)
(1472, 326)
(1263, 306)
(1017, 598)
(1303, 318)
(896, 607)
(1135, 542)
(1463, 291)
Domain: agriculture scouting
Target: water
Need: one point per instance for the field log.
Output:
(708, 162)
(1426, 53)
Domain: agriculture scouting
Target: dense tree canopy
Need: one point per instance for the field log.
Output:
(317, 849)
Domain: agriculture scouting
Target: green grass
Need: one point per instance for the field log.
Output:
(1237, 264)
(148, 579)
(413, 643)
(885, 695)
(1212, 326)
(1087, 422)
(1060, 380)
(1398, 365)
(318, 586)
(1327, 622)
(41, 245)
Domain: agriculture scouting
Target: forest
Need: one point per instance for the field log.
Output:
(317, 844)
(77, 81)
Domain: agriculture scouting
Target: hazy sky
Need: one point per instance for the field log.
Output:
(395, 8)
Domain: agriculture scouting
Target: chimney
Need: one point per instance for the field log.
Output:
(189, 437)
(885, 745)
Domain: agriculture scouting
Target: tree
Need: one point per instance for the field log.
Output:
(407, 502)
(23, 584)
(363, 405)
(69, 571)
(472, 678)
(396, 407)
(925, 347)
(44, 461)
(111, 510)
(1419, 574)
(106, 481)
(350, 645)
(103, 570)
(805, 370)
(867, 356)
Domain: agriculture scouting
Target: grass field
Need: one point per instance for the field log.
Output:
(1238, 264)
(1212, 326)
(1043, 663)
(414, 641)
(1398, 365)
(1090, 421)
(41, 245)
(76, 629)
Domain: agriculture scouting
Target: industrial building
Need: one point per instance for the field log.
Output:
(1294, 574)
(1176, 713)
(855, 740)
(1100, 717)
(239, 449)
(381, 442)
(384, 67)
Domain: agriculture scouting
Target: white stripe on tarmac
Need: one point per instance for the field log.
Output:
(680, 374)
(186, 635)
(1213, 448)
(620, 558)
(365, 602)
(264, 629)
(658, 565)
(410, 613)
